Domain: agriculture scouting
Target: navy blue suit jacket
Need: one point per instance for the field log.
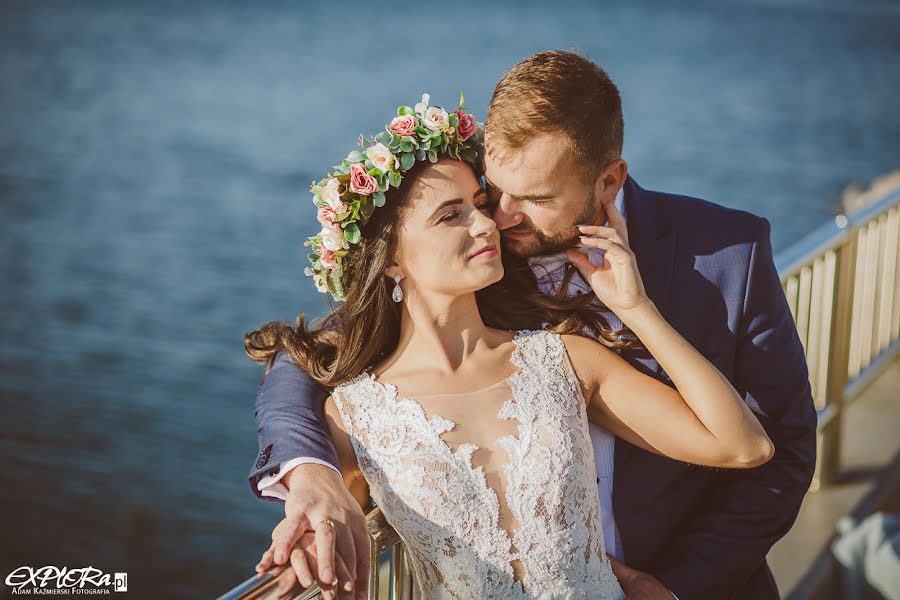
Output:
(702, 532)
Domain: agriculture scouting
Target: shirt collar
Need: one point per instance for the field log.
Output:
(544, 265)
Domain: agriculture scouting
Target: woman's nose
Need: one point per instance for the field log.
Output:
(482, 224)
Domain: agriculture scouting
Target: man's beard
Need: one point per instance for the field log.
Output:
(551, 244)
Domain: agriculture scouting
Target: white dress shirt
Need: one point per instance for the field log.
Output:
(548, 270)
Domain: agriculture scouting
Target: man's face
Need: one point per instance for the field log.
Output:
(540, 195)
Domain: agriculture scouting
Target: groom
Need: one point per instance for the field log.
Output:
(554, 142)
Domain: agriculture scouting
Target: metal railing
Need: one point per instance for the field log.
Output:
(842, 283)
(390, 576)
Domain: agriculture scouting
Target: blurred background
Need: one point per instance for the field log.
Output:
(155, 159)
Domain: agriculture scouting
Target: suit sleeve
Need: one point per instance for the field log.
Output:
(290, 421)
(727, 540)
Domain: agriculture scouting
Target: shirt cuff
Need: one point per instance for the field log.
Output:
(271, 485)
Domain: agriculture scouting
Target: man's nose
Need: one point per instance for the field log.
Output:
(504, 215)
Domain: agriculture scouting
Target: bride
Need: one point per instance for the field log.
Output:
(461, 395)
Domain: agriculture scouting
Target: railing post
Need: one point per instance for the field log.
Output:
(829, 440)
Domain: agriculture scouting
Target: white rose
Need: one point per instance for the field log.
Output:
(381, 157)
(332, 197)
(333, 239)
(421, 106)
(436, 119)
(320, 283)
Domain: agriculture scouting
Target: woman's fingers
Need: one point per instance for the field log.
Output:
(581, 262)
(301, 567)
(604, 232)
(266, 561)
(287, 582)
(611, 248)
(616, 220)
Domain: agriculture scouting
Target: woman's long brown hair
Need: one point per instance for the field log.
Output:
(366, 327)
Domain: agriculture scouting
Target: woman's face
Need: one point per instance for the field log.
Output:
(447, 242)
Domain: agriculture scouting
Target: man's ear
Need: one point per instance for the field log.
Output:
(610, 180)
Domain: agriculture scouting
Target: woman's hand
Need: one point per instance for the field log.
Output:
(617, 282)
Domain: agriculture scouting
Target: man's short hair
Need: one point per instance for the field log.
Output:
(559, 91)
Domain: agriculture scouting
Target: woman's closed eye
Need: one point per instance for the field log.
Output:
(450, 215)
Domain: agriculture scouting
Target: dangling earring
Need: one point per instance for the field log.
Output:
(397, 293)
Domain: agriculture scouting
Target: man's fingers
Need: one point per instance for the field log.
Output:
(325, 551)
(344, 583)
(363, 558)
(301, 567)
(346, 550)
(311, 565)
(285, 539)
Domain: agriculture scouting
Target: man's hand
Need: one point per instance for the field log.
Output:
(317, 493)
(638, 585)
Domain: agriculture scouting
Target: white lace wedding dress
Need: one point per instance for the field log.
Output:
(462, 541)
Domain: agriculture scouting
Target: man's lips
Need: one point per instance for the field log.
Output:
(515, 233)
(488, 251)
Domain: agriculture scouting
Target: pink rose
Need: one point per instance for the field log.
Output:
(403, 125)
(466, 126)
(327, 257)
(326, 216)
(361, 182)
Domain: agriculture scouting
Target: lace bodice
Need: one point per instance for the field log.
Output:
(523, 525)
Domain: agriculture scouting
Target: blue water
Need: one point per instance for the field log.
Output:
(154, 165)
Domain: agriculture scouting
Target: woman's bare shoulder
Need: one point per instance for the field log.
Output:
(589, 358)
(333, 415)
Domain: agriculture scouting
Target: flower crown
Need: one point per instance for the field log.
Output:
(348, 195)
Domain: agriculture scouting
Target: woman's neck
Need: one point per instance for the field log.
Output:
(439, 334)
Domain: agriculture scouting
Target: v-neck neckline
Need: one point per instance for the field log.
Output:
(438, 425)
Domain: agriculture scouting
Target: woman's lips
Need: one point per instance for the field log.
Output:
(488, 251)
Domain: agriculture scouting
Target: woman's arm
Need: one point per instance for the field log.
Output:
(704, 421)
(353, 477)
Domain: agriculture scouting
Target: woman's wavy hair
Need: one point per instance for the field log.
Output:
(366, 326)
